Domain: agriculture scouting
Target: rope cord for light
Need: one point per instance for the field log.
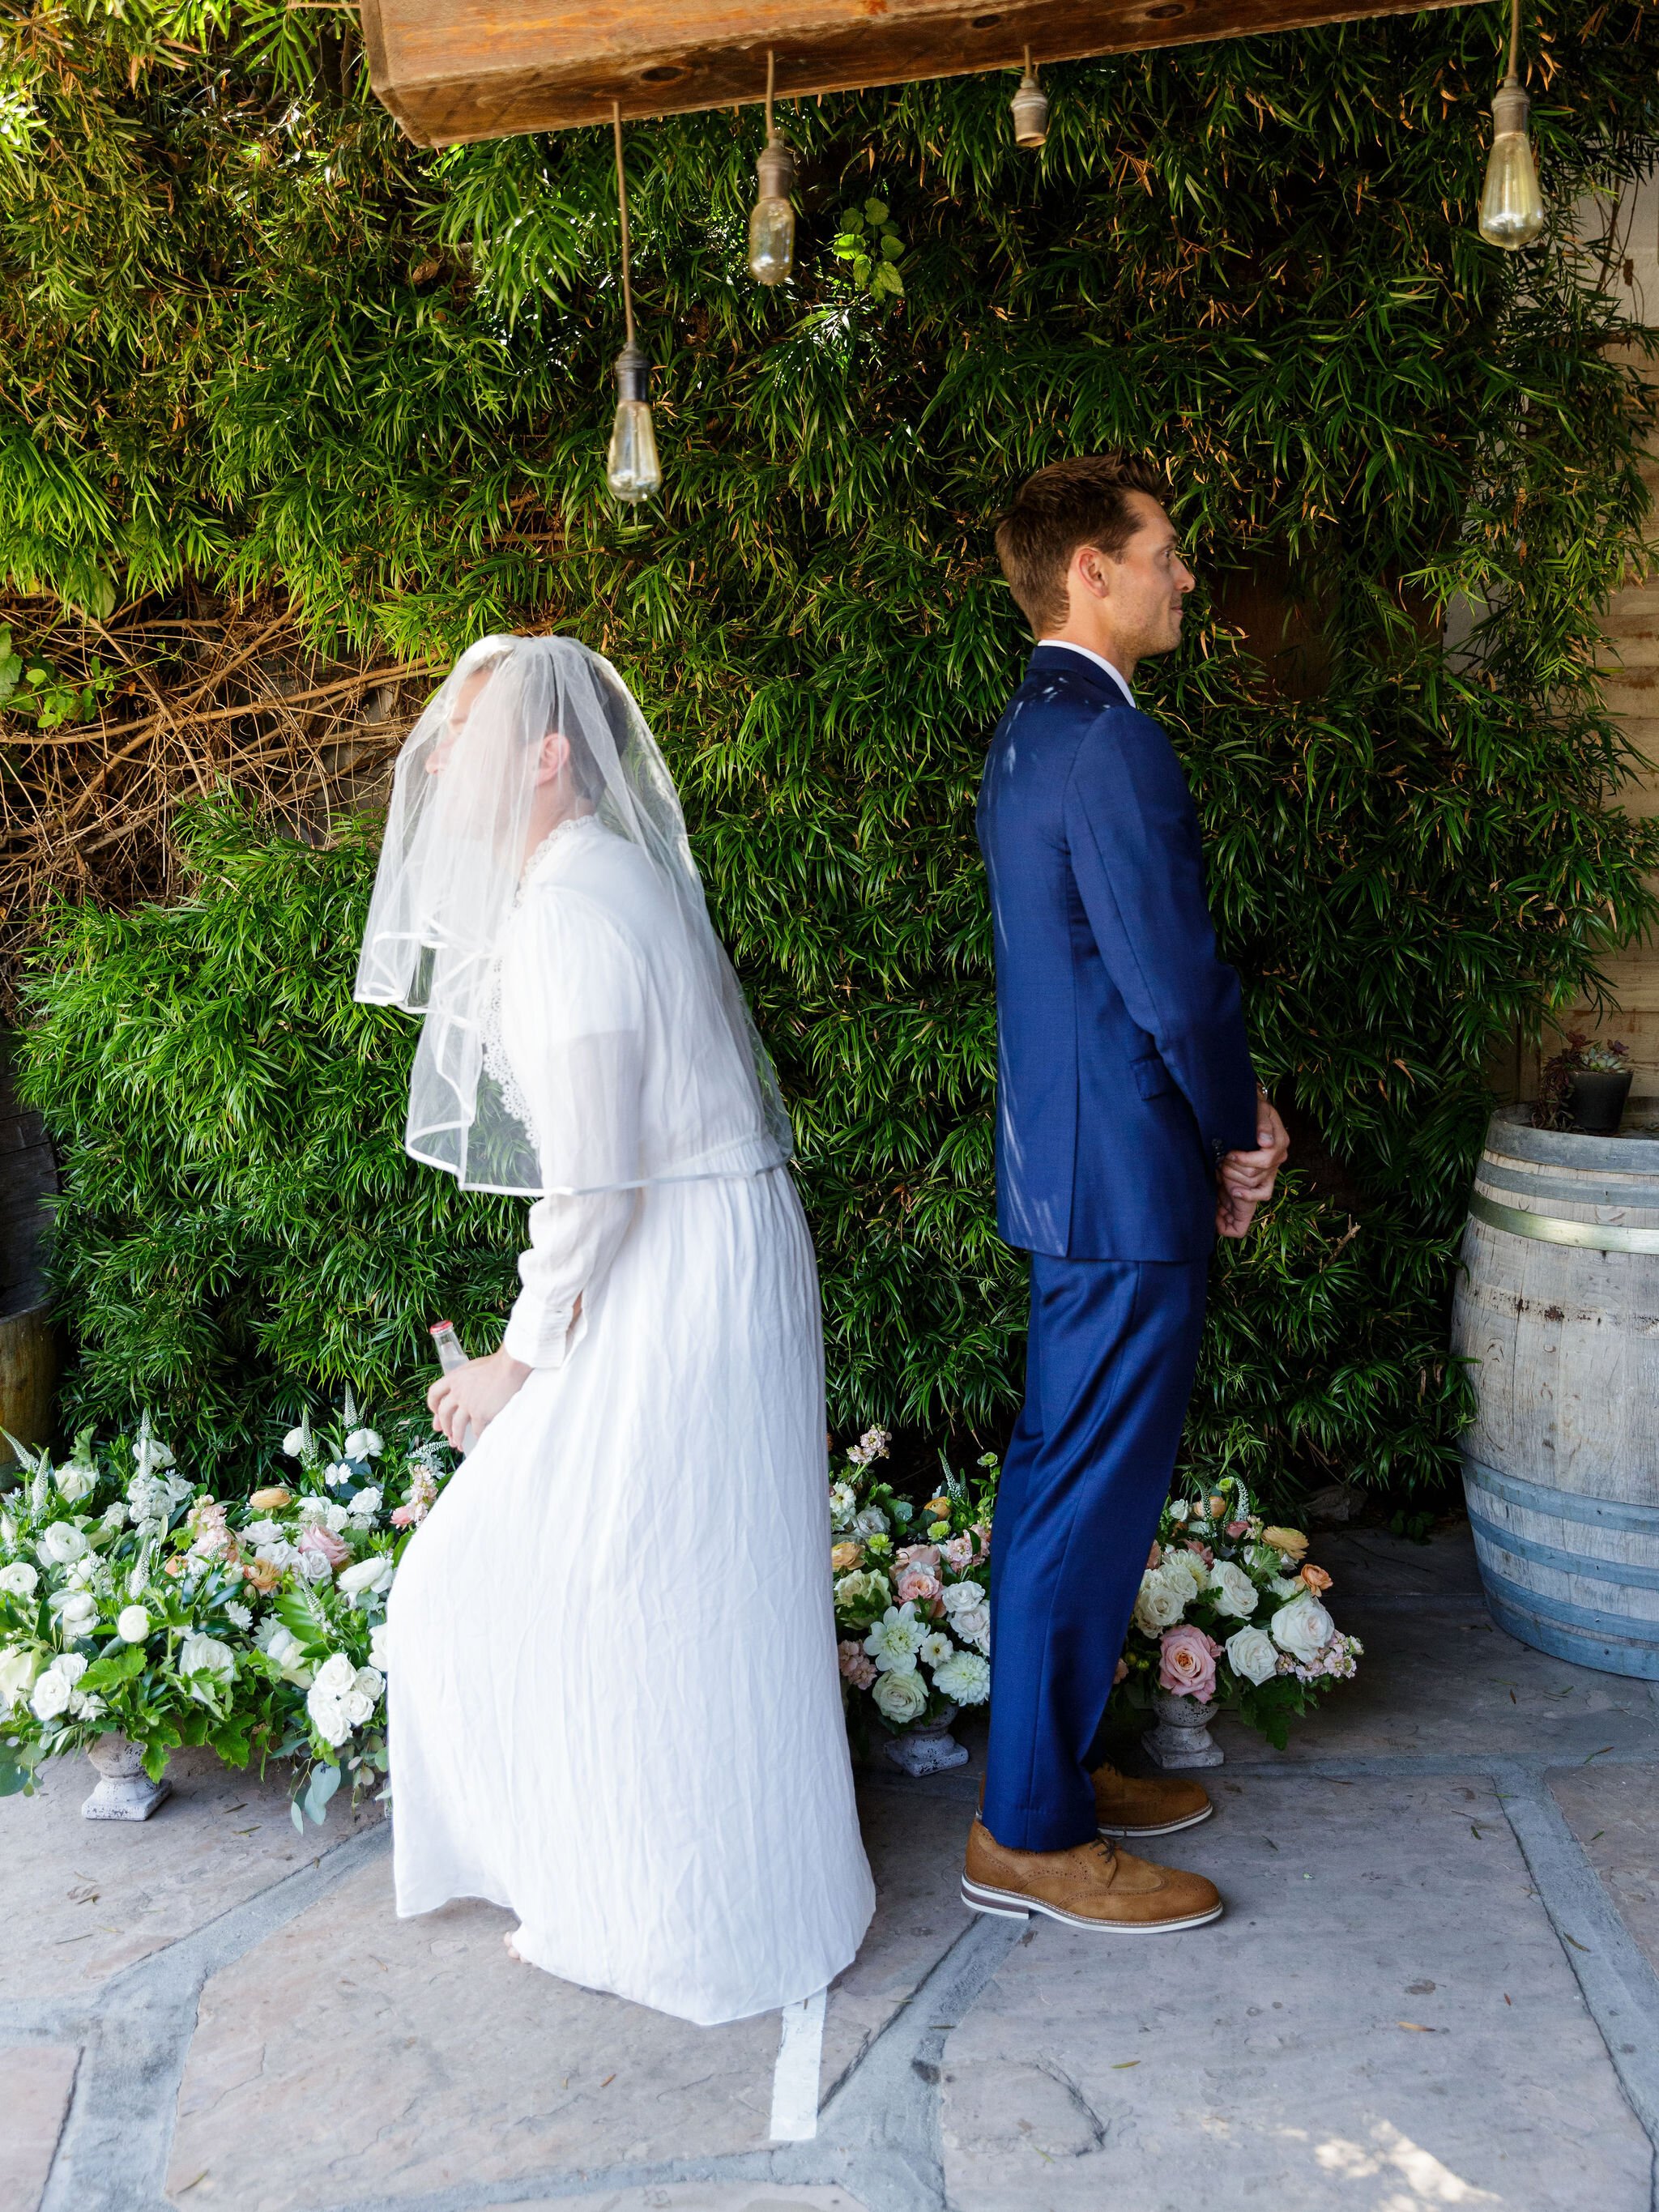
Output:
(771, 79)
(622, 203)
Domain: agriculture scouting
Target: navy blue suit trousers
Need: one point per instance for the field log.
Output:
(1108, 1369)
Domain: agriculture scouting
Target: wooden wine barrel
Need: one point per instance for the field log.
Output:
(28, 1342)
(1558, 1307)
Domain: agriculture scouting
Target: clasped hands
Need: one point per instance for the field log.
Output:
(1245, 1181)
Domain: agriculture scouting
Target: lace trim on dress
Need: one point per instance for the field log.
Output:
(497, 1065)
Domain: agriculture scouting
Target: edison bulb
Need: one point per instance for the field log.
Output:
(1511, 204)
(771, 240)
(633, 471)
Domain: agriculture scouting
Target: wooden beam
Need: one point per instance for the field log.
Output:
(454, 70)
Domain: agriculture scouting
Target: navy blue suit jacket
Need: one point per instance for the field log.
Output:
(1123, 1064)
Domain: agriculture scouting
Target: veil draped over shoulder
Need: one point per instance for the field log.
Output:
(452, 872)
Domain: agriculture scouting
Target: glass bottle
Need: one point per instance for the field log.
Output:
(447, 1345)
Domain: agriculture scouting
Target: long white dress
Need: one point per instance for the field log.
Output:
(614, 1703)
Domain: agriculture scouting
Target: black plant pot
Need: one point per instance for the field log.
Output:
(1595, 1099)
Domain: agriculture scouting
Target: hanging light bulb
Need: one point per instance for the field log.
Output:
(1030, 109)
(632, 469)
(772, 225)
(1512, 205)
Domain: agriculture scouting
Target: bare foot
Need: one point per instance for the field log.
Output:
(513, 1950)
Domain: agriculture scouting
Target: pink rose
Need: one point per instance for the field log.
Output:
(958, 1553)
(855, 1667)
(1203, 1551)
(405, 1516)
(1186, 1662)
(1238, 1528)
(317, 1539)
(918, 1555)
(915, 1586)
(1154, 1556)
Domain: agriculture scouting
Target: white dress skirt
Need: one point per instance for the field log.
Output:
(614, 1703)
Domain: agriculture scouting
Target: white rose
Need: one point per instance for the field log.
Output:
(900, 1696)
(336, 1675)
(363, 1575)
(1251, 1652)
(17, 1671)
(363, 1444)
(369, 1683)
(1180, 1510)
(974, 1626)
(262, 1532)
(356, 1707)
(963, 1597)
(297, 1442)
(872, 1522)
(1235, 1593)
(314, 1566)
(965, 1680)
(1161, 1601)
(114, 1515)
(1302, 1627)
(365, 1505)
(327, 1714)
(51, 1696)
(70, 1665)
(62, 1542)
(132, 1624)
(377, 1645)
(19, 1579)
(76, 1482)
(84, 1705)
(206, 1654)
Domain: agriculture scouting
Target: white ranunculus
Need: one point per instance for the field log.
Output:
(365, 1505)
(297, 1441)
(1161, 1601)
(62, 1542)
(51, 1696)
(1252, 1653)
(895, 1640)
(336, 1675)
(363, 1575)
(1235, 1593)
(277, 1553)
(76, 1482)
(377, 1645)
(132, 1624)
(78, 1614)
(18, 1666)
(72, 1665)
(206, 1654)
(327, 1712)
(1302, 1627)
(965, 1680)
(363, 1444)
(901, 1697)
(19, 1579)
(963, 1597)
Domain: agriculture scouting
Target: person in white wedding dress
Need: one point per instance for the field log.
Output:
(614, 1702)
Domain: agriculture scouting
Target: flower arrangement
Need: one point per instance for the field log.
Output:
(913, 1617)
(1229, 1610)
(133, 1599)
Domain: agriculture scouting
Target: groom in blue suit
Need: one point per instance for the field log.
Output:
(1130, 1128)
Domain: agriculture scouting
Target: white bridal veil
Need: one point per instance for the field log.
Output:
(462, 815)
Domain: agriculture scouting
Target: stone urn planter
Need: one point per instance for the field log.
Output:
(125, 1791)
(1181, 1737)
(929, 1748)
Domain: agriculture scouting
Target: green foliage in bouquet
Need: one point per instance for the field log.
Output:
(912, 1591)
(1229, 1610)
(135, 1599)
(254, 337)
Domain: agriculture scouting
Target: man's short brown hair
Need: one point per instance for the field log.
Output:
(1071, 504)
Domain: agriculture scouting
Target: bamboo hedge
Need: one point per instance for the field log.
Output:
(257, 348)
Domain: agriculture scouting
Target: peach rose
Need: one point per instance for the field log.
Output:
(918, 1555)
(1316, 1579)
(915, 1586)
(1186, 1659)
(843, 1556)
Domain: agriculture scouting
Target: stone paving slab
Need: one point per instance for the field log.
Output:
(1270, 2054)
(102, 1893)
(1613, 1811)
(35, 2083)
(704, 2197)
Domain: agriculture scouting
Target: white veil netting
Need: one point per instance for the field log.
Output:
(450, 876)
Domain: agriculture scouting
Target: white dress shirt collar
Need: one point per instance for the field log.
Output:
(1098, 659)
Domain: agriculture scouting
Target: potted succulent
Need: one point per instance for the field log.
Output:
(1585, 1086)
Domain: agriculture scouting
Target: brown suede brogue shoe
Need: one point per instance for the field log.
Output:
(1147, 1805)
(1094, 1886)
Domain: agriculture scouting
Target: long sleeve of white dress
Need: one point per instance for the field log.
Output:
(572, 1004)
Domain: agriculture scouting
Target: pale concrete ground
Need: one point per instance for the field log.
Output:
(1435, 1986)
